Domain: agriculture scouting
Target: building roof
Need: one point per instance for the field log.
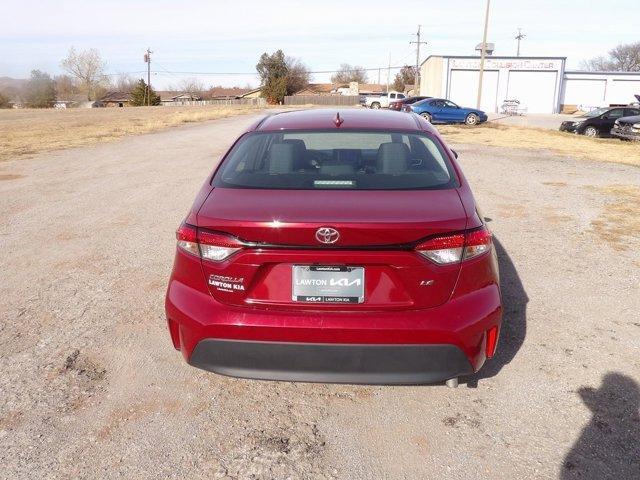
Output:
(328, 88)
(233, 92)
(116, 97)
(353, 119)
(318, 89)
(372, 87)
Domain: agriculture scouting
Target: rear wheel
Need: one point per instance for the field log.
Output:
(426, 116)
(591, 131)
(472, 119)
(375, 105)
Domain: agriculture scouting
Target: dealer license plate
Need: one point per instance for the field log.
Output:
(327, 284)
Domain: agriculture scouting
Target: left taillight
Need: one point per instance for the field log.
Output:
(449, 249)
(206, 244)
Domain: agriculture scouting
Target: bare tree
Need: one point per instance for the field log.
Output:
(66, 85)
(40, 90)
(123, 83)
(87, 66)
(192, 86)
(348, 73)
(623, 58)
(298, 75)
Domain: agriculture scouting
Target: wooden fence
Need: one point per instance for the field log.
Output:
(258, 102)
(322, 100)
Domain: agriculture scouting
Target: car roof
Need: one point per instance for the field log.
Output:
(352, 119)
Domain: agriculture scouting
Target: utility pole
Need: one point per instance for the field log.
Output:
(416, 88)
(483, 54)
(147, 60)
(519, 37)
(389, 72)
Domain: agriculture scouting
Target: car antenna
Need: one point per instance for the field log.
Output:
(338, 120)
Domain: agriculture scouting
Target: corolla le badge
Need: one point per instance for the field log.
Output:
(327, 235)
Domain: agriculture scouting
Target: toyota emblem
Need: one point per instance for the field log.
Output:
(327, 235)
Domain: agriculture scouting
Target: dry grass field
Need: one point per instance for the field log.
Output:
(575, 146)
(30, 131)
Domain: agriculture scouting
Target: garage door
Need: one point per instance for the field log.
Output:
(534, 90)
(584, 92)
(463, 89)
(623, 91)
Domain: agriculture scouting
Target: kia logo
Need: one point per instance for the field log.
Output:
(327, 235)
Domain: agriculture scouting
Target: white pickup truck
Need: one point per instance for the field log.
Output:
(383, 100)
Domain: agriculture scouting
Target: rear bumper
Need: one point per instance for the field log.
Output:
(404, 346)
(334, 363)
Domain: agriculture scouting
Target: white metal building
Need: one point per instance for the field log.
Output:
(600, 89)
(541, 84)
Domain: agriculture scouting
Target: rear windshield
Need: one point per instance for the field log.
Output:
(344, 159)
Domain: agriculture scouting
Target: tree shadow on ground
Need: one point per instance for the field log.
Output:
(514, 318)
(609, 446)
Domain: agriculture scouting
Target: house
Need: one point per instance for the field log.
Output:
(74, 100)
(321, 89)
(233, 93)
(352, 88)
(116, 99)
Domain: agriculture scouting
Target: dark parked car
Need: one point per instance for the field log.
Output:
(597, 122)
(627, 128)
(336, 247)
(440, 110)
(397, 105)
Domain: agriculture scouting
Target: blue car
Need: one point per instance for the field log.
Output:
(439, 110)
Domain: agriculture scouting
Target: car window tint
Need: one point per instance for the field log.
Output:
(617, 113)
(354, 160)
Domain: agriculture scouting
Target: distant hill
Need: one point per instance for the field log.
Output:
(11, 87)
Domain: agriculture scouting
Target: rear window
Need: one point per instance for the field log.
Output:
(333, 159)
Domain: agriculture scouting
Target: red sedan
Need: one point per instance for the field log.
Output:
(336, 247)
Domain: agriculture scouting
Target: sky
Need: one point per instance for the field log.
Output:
(228, 37)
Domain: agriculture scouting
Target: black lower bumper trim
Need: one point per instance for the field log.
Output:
(332, 363)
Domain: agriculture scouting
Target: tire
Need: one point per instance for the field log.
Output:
(375, 105)
(472, 119)
(426, 116)
(590, 131)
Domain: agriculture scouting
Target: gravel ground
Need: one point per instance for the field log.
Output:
(539, 120)
(91, 387)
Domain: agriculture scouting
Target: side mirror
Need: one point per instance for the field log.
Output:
(455, 154)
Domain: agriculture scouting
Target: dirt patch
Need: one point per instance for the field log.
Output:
(575, 146)
(619, 222)
(277, 454)
(9, 176)
(78, 379)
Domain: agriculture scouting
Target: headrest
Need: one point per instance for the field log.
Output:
(281, 157)
(393, 158)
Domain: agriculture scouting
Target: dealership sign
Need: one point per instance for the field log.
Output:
(508, 64)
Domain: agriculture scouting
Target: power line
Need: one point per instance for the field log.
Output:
(176, 72)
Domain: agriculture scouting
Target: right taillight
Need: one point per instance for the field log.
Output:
(205, 244)
(477, 242)
(449, 249)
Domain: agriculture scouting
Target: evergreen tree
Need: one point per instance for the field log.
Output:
(139, 95)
